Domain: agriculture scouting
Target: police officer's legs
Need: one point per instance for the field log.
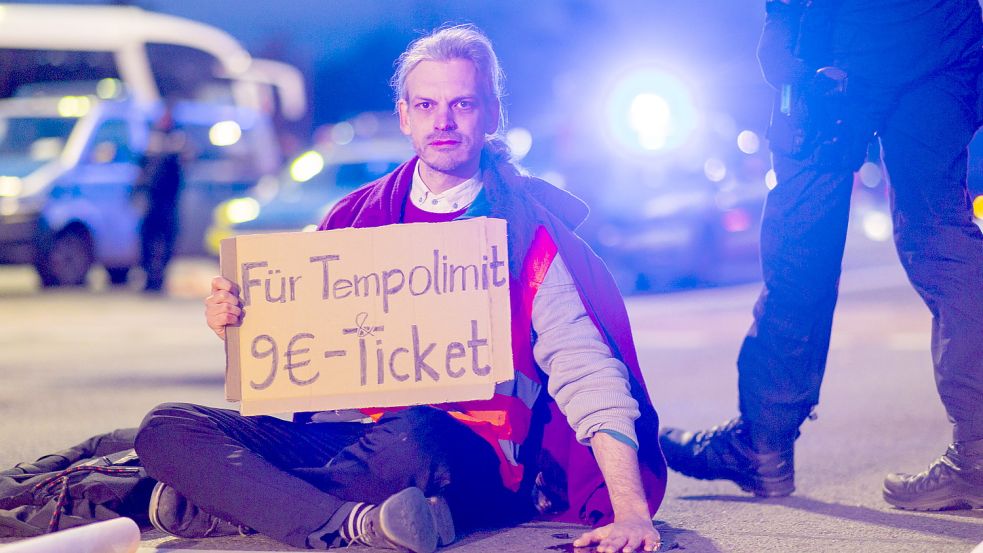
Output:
(925, 150)
(783, 357)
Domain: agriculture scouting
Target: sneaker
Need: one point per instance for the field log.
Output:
(408, 522)
(172, 513)
(441, 513)
(953, 481)
(725, 453)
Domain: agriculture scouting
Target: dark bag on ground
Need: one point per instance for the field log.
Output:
(98, 479)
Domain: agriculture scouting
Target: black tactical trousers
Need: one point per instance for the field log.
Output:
(924, 133)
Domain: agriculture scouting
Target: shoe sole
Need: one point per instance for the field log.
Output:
(761, 487)
(769, 488)
(406, 520)
(940, 502)
(766, 486)
(442, 520)
(154, 505)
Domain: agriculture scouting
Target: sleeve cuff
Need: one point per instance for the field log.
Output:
(623, 431)
(621, 438)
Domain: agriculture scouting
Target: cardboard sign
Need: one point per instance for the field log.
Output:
(398, 315)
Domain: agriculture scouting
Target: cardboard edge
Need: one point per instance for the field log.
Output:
(506, 372)
(228, 262)
(392, 398)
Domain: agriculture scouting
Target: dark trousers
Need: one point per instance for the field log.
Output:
(158, 234)
(296, 482)
(924, 132)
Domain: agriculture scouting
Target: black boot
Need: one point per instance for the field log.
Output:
(953, 481)
(725, 453)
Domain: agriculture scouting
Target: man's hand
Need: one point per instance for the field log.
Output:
(222, 307)
(632, 527)
(622, 536)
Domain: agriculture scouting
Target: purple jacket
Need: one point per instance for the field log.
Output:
(532, 203)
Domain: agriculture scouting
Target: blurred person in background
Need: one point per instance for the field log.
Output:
(587, 451)
(159, 190)
(907, 71)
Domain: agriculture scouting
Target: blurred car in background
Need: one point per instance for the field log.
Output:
(307, 188)
(68, 163)
(689, 232)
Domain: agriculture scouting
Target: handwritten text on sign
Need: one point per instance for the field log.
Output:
(397, 315)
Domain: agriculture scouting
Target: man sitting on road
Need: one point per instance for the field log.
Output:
(406, 480)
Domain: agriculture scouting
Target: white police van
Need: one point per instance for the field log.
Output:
(68, 165)
(70, 150)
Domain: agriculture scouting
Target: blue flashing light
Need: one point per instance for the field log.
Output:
(649, 110)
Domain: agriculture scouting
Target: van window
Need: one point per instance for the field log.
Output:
(229, 163)
(34, 138)
(111, 143)
(185, 72)
(198, 136)
(21, 67)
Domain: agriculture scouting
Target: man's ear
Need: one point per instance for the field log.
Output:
(492, 116)
(404, 123)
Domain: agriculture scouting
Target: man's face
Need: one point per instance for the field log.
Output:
(446, 115)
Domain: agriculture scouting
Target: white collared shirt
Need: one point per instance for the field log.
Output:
(448, 201)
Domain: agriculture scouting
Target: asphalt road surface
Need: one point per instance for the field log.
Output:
(77, 363)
